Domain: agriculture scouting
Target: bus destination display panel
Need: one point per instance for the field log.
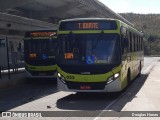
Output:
(41, 34)
(88, 25)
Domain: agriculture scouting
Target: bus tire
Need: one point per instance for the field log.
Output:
(128, 77)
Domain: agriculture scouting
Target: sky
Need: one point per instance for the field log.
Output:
(134, 6)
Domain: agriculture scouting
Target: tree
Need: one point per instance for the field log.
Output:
(144, 26)
(152, 38)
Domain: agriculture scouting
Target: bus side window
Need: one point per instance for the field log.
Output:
(122, 44)
(142, 44)
(126, 44)
(130, 35)
(134, 42)
(138, 41)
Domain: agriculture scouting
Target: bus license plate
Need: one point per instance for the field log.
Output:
(85, 87)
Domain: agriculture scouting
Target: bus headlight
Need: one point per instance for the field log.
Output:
(112, 78)
(59, 75)
(61, 78)
(116, 75)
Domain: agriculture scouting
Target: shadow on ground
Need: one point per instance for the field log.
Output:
(30, 90)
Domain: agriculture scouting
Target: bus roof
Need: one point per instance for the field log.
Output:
(87, 19)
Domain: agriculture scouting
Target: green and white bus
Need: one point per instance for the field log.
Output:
(98, 55)
(40, 50)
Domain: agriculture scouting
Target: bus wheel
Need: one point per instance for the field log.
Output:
(139, 74)
(128, 77)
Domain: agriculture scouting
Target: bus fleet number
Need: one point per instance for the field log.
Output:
(70, 77)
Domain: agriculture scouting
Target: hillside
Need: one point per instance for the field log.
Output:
(150, 25)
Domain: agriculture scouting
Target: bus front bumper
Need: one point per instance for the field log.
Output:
(114, 86)
(40, 75)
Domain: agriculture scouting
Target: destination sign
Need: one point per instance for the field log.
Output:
(88, 25)
(46, 33)
(42, 34)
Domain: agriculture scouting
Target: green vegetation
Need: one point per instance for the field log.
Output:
(150, 25)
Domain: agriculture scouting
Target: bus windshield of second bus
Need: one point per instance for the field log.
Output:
(39, 46)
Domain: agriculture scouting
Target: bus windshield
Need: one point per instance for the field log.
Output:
(90, 48)
(41, 47)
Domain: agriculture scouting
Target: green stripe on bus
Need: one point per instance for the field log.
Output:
(41, 68)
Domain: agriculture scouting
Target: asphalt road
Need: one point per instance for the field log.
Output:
(34, 89)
